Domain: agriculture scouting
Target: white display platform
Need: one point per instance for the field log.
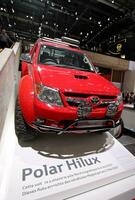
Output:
(59, 167)
(121, 190)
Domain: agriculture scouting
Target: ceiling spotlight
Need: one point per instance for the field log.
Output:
(13, 10)
(53, 4)
(77, 18)
(46, 22)
(87, 34)
(57, 25)
(75, 13)
(9, 25)
(1, 8)
(81, 33)
(91, 31)
(27, 16)
(31, 17)
(99, 22)
(69, 1)
(108, 19)
(90, 18)
(43, 16)
(112, 1)
(62, 8)
(4, 9)
(65, 29)
(12, 1)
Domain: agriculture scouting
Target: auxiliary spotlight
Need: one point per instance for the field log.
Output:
(111, 109)
(84, 109)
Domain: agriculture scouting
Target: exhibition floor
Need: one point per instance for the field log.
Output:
(128, 116)
(128, 139)
(129, 142)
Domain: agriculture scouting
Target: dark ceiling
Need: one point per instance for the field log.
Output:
(95, 23)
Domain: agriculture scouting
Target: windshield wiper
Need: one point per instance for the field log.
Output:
(77, 68)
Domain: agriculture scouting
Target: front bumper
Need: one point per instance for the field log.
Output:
(79, 125)
(55, 113)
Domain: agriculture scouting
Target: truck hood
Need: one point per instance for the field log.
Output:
(70, 80)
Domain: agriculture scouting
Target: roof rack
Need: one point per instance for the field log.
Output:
(61, 41)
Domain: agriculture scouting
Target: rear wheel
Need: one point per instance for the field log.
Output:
(23, 131)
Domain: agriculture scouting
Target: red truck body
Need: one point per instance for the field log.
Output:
(61, 91)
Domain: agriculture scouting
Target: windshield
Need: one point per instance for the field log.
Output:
(50, 55)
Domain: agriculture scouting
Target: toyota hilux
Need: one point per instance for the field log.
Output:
(60, 91)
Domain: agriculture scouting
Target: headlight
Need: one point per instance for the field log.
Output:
(119, 99)
(48, 95)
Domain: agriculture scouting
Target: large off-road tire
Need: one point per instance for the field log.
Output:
(23, 131)
(118, 131)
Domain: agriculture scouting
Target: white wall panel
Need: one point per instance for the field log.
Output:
(9, 59)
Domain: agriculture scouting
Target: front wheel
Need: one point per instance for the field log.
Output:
(117, 132)
(23, 131)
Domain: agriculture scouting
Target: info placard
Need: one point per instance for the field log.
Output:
(35, 177)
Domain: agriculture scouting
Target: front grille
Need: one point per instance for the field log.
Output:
(105, 103)
(106, 97)
(75, 99)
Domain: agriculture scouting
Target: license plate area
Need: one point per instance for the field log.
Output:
(94, 123)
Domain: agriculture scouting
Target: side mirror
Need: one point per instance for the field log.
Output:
(25, 57)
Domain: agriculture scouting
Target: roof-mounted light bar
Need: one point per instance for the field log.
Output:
(70, 40)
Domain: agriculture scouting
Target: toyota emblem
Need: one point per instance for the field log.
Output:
(94, 100)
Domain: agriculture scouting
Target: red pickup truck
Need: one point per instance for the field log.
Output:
(60, 91)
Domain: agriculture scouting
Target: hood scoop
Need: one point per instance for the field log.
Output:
(80, 77)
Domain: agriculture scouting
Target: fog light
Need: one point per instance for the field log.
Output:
(111, 109)
(84, 109)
